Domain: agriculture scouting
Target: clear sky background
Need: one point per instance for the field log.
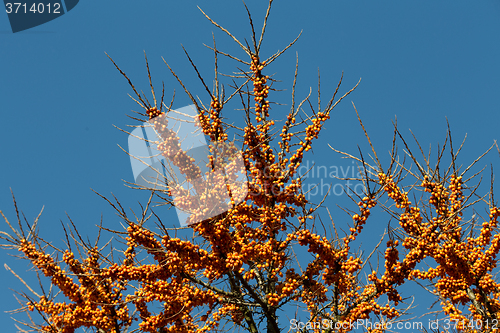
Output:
(60, 95)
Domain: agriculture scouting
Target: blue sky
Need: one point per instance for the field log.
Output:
(60, 95)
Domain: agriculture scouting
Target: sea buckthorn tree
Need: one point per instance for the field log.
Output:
(238, 270)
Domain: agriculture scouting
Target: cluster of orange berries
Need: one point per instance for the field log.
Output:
(362, 310)
(153, 112)
(317, 244)
(488, 226)
(439, 196)
(46, 264)
(337, 268)
(312, 132)
(391, 255)
(145, 238)
(455, 314)
(289, 286)
(48, 307)
(295, 161)
(212, 123)
(400, 198)
(259, 151)
(160, 125)
(360, 219)
(456, 196)
(191, 255)
(389, 311)
(260, 89)
(273, 299)
(285, 135)
(264, 128)
(430, 274)
(486, 261)
(381, 286)
(292, 196)
(351, 265)
(171, 149)
(313, 293)
(252, 140)
(411, 221)
(170, 146)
